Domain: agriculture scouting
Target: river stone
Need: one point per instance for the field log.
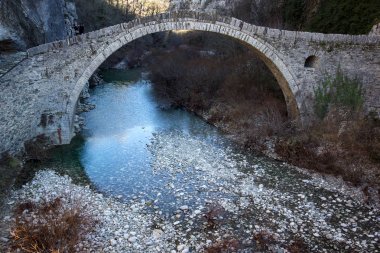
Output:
(184, 208)
(157, 233)
(132, 239)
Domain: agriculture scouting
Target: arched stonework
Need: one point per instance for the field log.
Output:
(265, 51)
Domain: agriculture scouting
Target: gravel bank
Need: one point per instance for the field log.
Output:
(220, 195)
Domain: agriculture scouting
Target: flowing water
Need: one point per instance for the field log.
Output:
(180, 166)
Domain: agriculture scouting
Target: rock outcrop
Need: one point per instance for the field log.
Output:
(220, 6)
(375, 30)
(27, 23)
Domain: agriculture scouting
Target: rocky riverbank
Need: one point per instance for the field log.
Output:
(83, 105)
(222, 199)
(120, 227)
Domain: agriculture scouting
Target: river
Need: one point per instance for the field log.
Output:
(179, 166)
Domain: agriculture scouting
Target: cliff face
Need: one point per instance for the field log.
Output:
(219, 6)
(27, 23)
(259, 12)
(326, 16)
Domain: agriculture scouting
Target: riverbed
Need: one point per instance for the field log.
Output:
(192, 187)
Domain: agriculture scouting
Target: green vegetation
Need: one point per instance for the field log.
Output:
(322, 99)
(294, 12)
(349, 140)
(345, 16)
(338, 91)
(326, 16)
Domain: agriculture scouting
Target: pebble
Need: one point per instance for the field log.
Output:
(113, 242)
(132, 239)
(184, 208)
(181, 247)
(157, 233)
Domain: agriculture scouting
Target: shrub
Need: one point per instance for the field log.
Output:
(264, 240)
(298, 246)
(322, 99)
(50, 226)
(227, 245)
(347, 92)
(294, 10)
(212, 215)
(340, 91)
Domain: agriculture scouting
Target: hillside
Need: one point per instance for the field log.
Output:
(332, 16)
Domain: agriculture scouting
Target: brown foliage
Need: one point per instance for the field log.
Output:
(211, 217)
(231, 245)
(49, 226)
(264, 240)
(298, 246)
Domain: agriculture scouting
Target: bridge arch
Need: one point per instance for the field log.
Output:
(48, 82)
(266, 52)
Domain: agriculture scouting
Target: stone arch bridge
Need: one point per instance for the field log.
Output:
(39, 95)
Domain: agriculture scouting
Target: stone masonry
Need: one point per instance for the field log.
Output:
(39, 96)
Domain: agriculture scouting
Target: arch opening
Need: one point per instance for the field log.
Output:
(312, 62)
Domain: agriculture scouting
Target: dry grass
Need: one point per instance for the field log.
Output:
(49, 227)
(212, 216)
(298, 246)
